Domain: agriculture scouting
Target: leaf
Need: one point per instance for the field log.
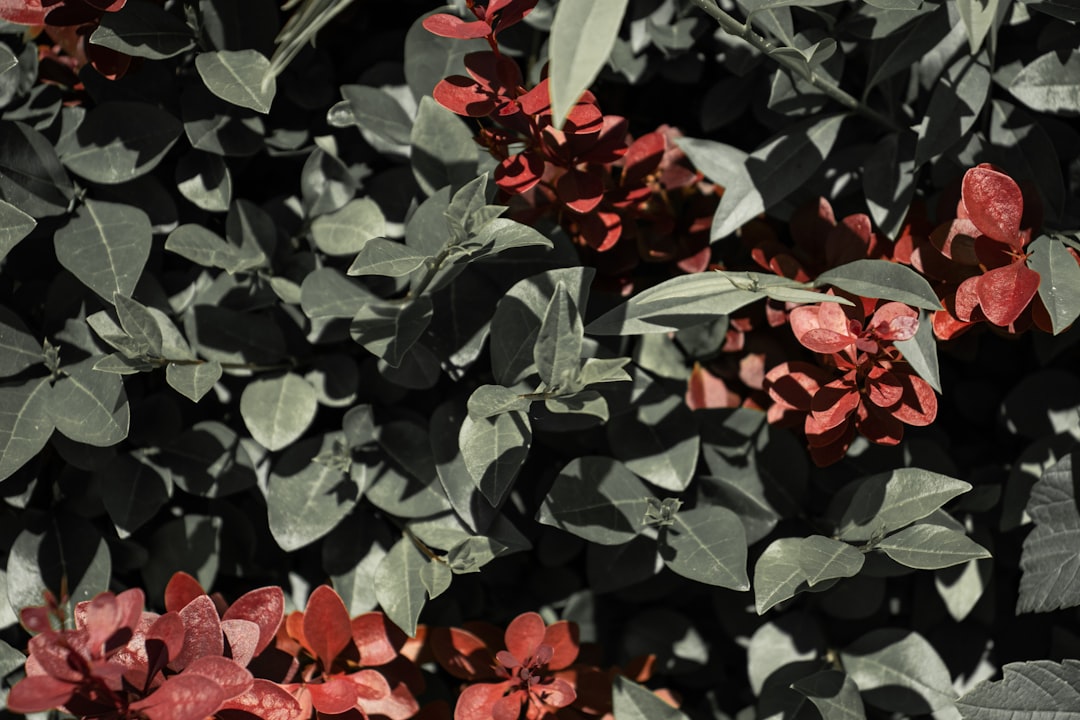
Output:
(658, 439)
(430, 58)
(899, 52)
(18, 348)
(931, 547)
(118, 141)
(25, 424)
(132, 491)
(106, 246)
(978, 17)
(326, 184)
(14, 226)
(208, 460)
(138, 322)
(375, 111)
(955, 105)
(380, 256)
(1059, 286)
(443, 152)
(142, 29)
(399, 587)
(327, 293)
(582, 36)
(557, 352)
(631, 701)
(707, 544)
(277, 411)
(31, 176)
(389, 328)
(791, 565)
(305, 498)
(889, 181)
(899, 671)
(436, 577)
(598, 499)
(502, 234)
(920, 351)
(884, 503)
(1027, 691)
(204, 247)
(489, 400)
(882, 279)
(1050, 568)
(193, 380)
(240, 77)
(408, 486)
(1050, 83)
(346, 231)
(494, 450)
(834, 694)
(89, 406)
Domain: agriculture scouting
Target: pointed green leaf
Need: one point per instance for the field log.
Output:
(240, 77)
(791, 565)
(14, 226)
(25, 425)
(142, 29)
(921, 351)
(834, 694)
(583, 402)
(494, 449)
(18, 348)
(375, 111)
(346, 231)
(106, 246)
(206, 248)
(118, 141)
(389, 328)
(658, 439)
(1050, 83)
(138, 322)
(443, 152)
(1059, 285)
(884, 503)
(277, 411)
(204, 179)
(558, 343)
(121, 364)
(955, 105)
(889, 181)
(193, 380)
(208, 460)
(582, 36)
(707, 544)
(978, 17)
(132, 491)
(61, 552)
(598, 499)
(1050, 568)
(502, 234)
(327, 293)
(899, 671)
(31, 176)
(1031, 690)
(90, 406)
(399, 587)
(631, 701)
(931, 547)
(489, 400)
(882, 279)
(305, 498)
(380, 256)
(436, 577)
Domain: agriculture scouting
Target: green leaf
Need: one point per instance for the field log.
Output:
(14, 226)
(139, 323)
(920, 351)
(1050, 567)
(901, 51)
(106, 246)
(143, 29)
(118, 141)
(18, 348)
(1059, 285)
(305, 498)
(327, 293)
(1021, 144)
(584, 402)
(204, 179)
(557, 352)
(1050, 83)
(489, 400)
(389, 328)
(193, 380)
(889, 181)
(931, 547)
(436, 577)
(380, 256)
(658, 439)
(598, 499)
(10, 659)
(191, 543)
(502, 234)
(25, 424)
(430, 58)
(443, 152)
(240, 77)
(882, 279)
(707, 544)
(90, 406)
(204, 247)
(978, 17)
(791, 565)
(277, 411)
(962, 586)
(494, 449)
(208, 460)
(899, 671)
(122, 365)
(1064, 9)
(955, 105)
(582, 36)
(31, 177)
(1027, 691)
(132, 490)
(834, 694)
(884, 503)
(377, 112)
(631, 701)
(346, 231)
(408, 486)
(399, 586)
(62, 551)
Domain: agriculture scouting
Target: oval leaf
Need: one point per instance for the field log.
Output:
(278, 410)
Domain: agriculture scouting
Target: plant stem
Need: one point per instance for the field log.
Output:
(768, 47)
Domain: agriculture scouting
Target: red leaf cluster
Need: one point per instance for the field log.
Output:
(69, 24)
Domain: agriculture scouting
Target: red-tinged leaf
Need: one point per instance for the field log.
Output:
(643, 157)
(462, 654)
(202, 632)
(834, 451)
(895, 321)
(168, 630)
(509, 706)
(294, 628)
(608, 145)
(947, 327)
(585, 118)
(966, 300)
(919, 404)
(994, 203)
(326, 625)
(825, 341)
(101, 617)
(810, 225)
(562, 636)
(593, 687)
(706, 391)
(537, 100)
(510, 12)
(1005, 292)
(796, 383)
(524, 635)
(398, 705)
(39, 693)
(600, 230)
(477, 701)
(109, 63)
(51, 650)
(806, 318)
(243, 638)
(335, 695)
(558, 693)
(831, 406)
(22, 12)
(181, 590)
(883, 388)
(378, 640)
(698, 262)
(266, 700)
(182, 697)
(463, 96)
(230, 676)
(35, 619)
(370, 685)
(496, 73)
(850, 240)
(581, 191)
(878, 426)
(519, 173)
(265, 607)
(451, 26)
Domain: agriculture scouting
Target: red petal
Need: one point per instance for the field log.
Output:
(581, 191)
(476, 701)
(267, 701)
(334, 696)
(39, 693)
(463, 96)
(994, 203)
(181, 590)
(562, 636)
(919, 404)
(524, 634)
(519, 173)
(1005, 292)
(326, 625)
(202, 632)
(265, 607)
(378, 639)
(182, 697)
(451, 26)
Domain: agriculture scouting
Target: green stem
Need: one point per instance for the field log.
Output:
(768, 47)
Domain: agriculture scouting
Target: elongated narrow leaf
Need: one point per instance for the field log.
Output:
(139, 323)
(834, 694)
(558, 343)
(598, 499)
(494, 449)
(582, 36)
(306, 498)
(1050, 83)
(142, 29)
(889, 181)
(31, 176)
(399, 587)
(388, 329)
(380, 256)
(240, 77)
(119, 141)
(790, 565)
(1051, 570)
(277, 411)
(25, 424)
(881, 504)
(931, 547)
(1059, 285)
(90, 406)
(14, 226)
(955, 105)
(882, 279)
(1027, 691)
(631, 701)
(206, 248)
(106, 246)
(707, 544)
(899, 671)
(921, 351)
